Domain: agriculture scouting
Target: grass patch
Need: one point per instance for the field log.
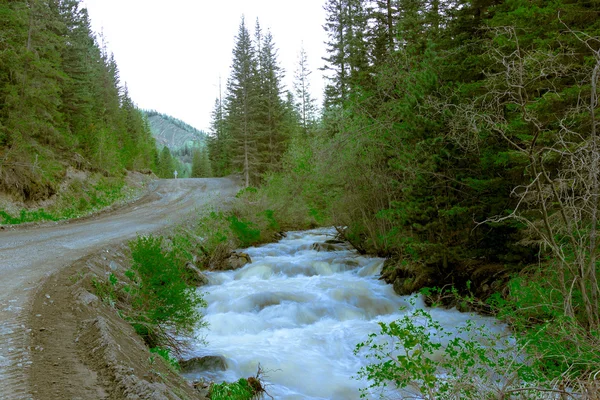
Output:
(240, 390)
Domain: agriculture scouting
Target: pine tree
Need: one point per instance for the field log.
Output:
(272, 139)
(242, 107)
(346, 25)
(218, 141)
(305, 104)
(60, 100)
(166, 164)
(201, 164)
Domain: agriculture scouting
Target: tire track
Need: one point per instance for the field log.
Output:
(14, 354)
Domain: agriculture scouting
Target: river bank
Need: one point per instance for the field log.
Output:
(298, 310)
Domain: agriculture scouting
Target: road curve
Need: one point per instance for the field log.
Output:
(29, 255)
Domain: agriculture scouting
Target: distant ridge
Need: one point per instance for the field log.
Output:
(172, 132)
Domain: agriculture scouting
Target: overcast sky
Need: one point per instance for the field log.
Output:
(171, 53)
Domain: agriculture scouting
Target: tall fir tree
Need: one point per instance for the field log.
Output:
(272, 135)
(304, 104)
(201, 164)
(242, 107)
(218, 140)
(347, 62)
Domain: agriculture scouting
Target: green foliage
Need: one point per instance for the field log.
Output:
(165, 354)
(27, 216)
(166, 165)
(62, 104)
(250, 127)
(416, 356)
(106, 290)
(272, 222)
(164, 306)
(245, 231)
(559, 345)
(240, 390)
(201, 164)
(214, 229)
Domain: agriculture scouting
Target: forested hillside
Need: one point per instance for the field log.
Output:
(459, 139)
(182, 147)
(62, 103)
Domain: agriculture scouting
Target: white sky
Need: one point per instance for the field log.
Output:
(171, 53)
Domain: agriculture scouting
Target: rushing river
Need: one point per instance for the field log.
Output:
(300, 312)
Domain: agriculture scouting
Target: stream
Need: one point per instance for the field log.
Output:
(300, 312)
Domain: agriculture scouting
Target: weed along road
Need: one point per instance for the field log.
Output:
(30, 254)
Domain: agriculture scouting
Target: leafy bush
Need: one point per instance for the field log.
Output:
(164, 306)
(272, 222)
(562, 346)
(165, 354)
(240, 390)
(245, 231)
(243, 389)
(416, 357)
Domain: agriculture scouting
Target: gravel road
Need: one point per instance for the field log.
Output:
(28, 255)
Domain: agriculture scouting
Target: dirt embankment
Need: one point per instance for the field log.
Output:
(82, 349)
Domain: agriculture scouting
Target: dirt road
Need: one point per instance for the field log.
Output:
(29, 255)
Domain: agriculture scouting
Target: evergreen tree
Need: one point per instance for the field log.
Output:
(271, 134)
(305, 104)
(242, 107)
(218, 142)
(166, 164)
(61, 101)
(201, 164)
(346, 25)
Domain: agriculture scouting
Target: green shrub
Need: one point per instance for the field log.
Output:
(240, 390)
(562, 346)
(165, 354)
(245, 231)
(272, 222)
(164, 306)
(416, 357)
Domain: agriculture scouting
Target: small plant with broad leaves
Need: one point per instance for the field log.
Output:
(415, 357)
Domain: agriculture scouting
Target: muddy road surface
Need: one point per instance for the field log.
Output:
(30, 254)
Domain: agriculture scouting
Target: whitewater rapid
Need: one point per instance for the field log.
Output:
(300, 312)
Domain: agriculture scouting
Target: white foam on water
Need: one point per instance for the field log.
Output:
(300, 313)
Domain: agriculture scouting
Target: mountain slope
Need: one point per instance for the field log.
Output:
(174, 133)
